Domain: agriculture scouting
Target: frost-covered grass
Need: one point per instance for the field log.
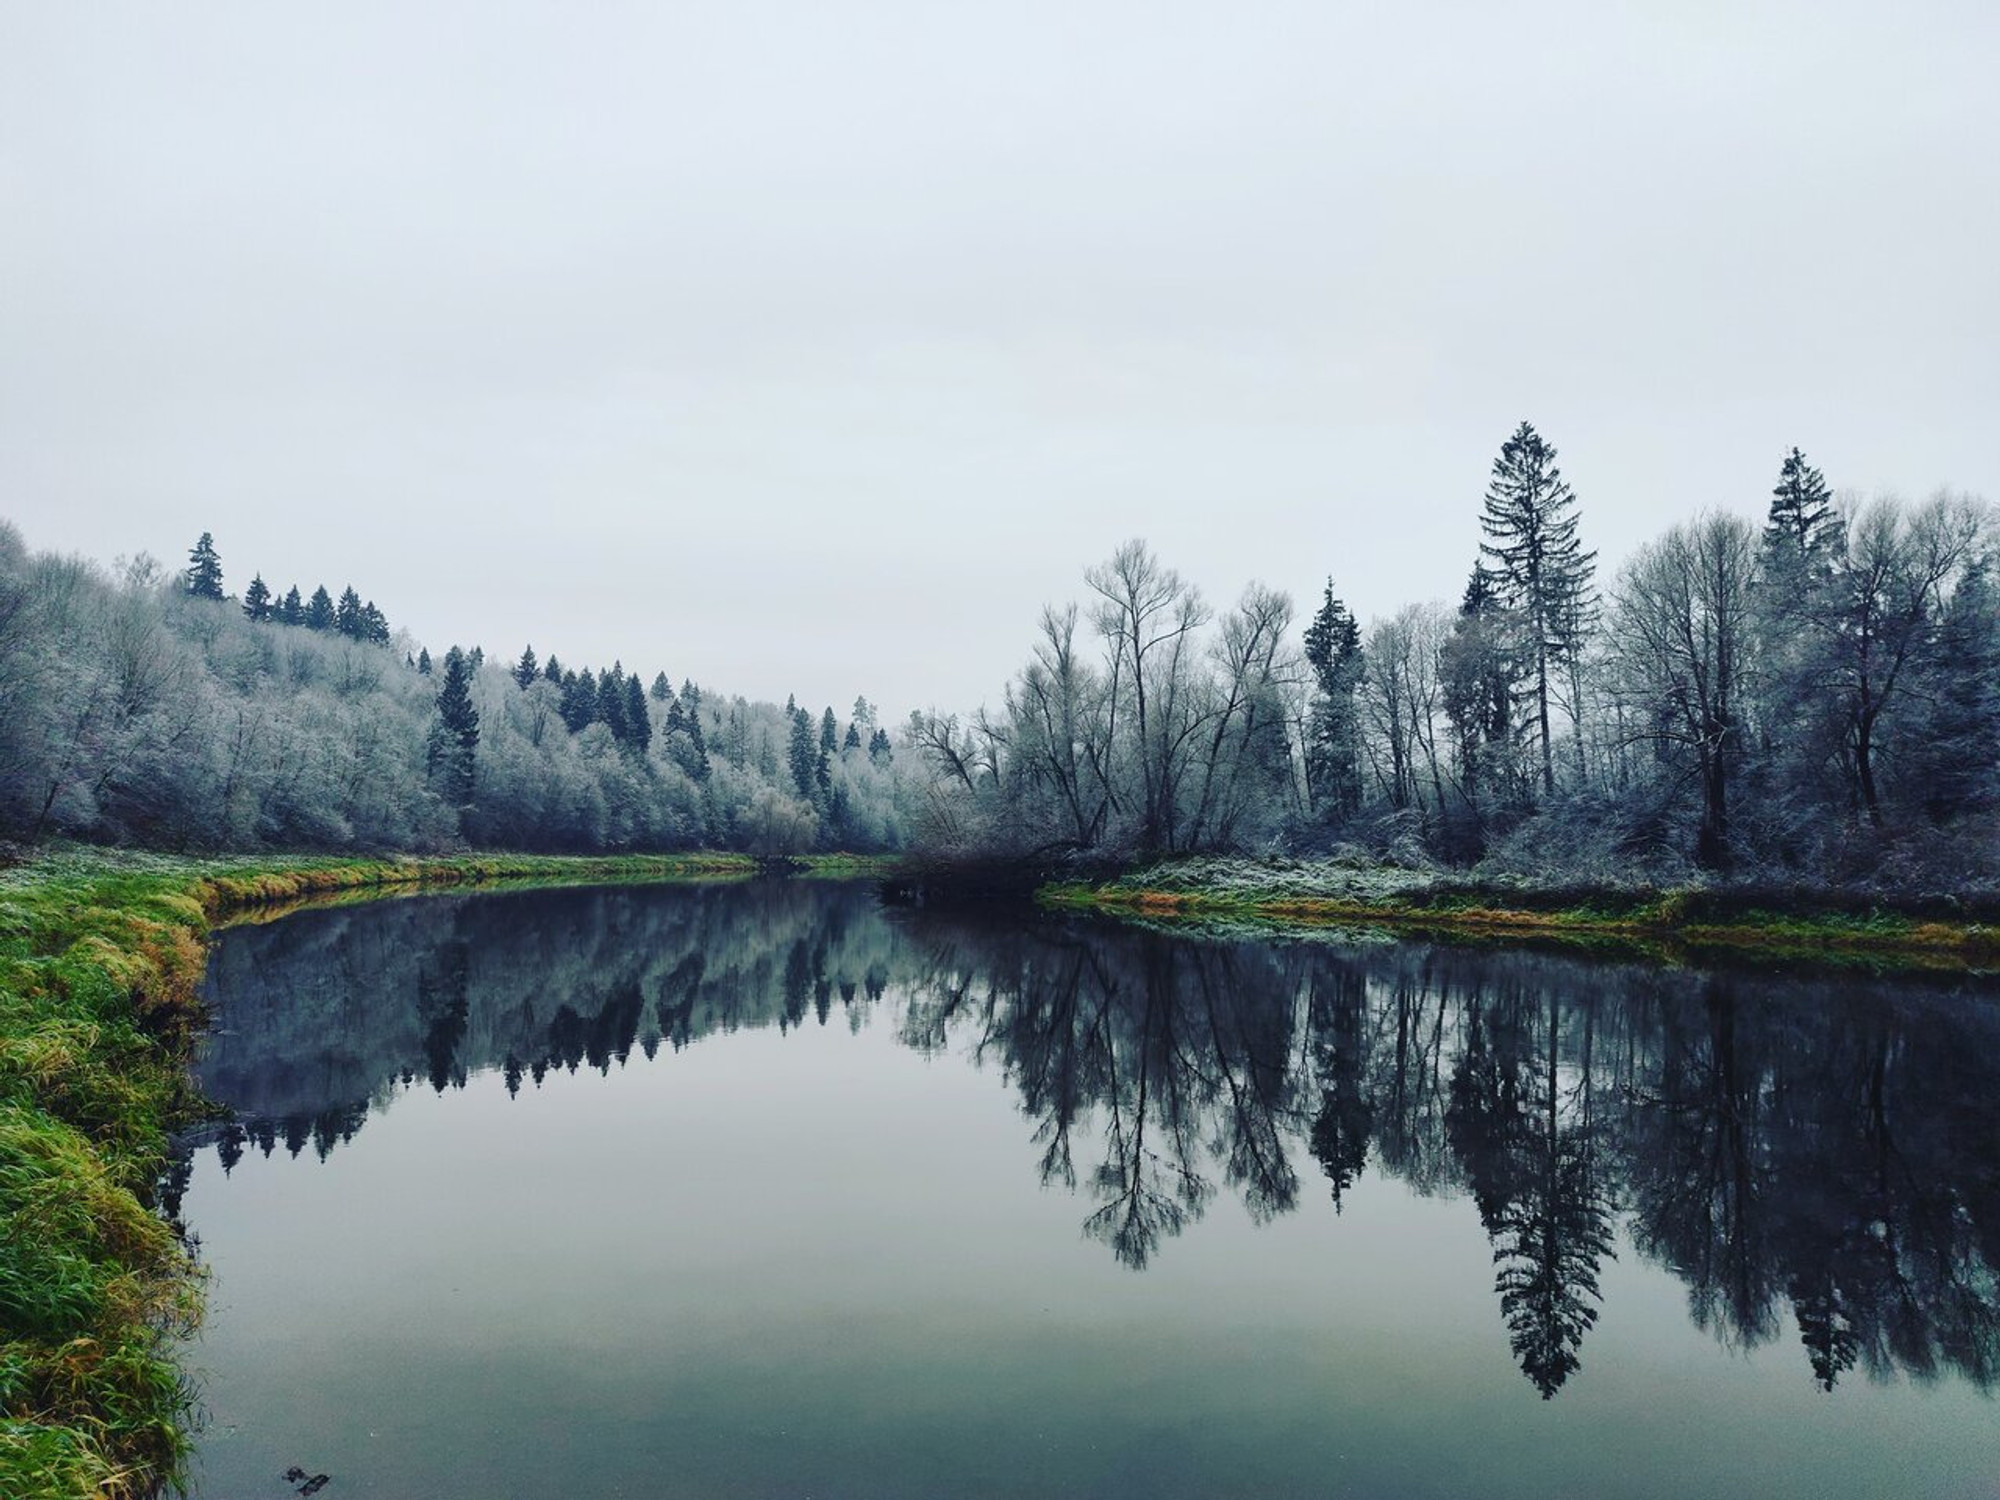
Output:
(100, 956)
(1346, 890)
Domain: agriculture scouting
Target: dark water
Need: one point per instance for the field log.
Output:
(761, 1191)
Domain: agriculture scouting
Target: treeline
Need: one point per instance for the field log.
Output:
(1816, 700)
(152, 707)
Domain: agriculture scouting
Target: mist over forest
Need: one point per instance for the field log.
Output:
(1816, 699)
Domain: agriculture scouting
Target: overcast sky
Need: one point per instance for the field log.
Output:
(813, 347)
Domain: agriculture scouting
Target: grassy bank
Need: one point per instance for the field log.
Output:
(1779, 926)
(101, 955)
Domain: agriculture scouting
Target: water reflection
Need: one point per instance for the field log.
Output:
(1826, 1149)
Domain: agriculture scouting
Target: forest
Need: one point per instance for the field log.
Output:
(148, 706)
(1816, 701)
(1813, 701)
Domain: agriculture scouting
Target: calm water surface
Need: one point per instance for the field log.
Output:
(759, 1190)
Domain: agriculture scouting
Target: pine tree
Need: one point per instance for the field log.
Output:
(1803, 527)
(803, 754)
(374, 624)
(879, 749)
(257, 599)
(454, 738)
(853, 739)
(662, 689)
(347, 619)
(579, 700)
(204, 570)
(1333, 732)
(1542, 574)
(552, 670)
(1478, 687)
(611, 703)
(527, 669)
(829, 733)
(293, 610)
(319, 610)
(697, 748)
(638, 718)
(423, 662)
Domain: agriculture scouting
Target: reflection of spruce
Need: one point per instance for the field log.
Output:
(1540, 1196)
(1346, 1117)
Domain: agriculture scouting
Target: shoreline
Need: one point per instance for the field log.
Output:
(1820, 930)
(101, 957)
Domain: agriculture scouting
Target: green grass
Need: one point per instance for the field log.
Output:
(101, 954)
(1707, 923)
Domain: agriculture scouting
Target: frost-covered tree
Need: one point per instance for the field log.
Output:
(1333, 727)
(204, 569)
(1543, 578)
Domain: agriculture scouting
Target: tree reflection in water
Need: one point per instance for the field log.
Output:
(1826, 1147)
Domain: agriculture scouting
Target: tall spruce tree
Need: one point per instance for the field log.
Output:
(374, 624)
(1333, 727)
(293, 610)
(829, 733)
(803, 754)
(347, 616)
(319, 610)
(527, 669)
(454, 738)
(1803, 527)
(1477, 686)
(662, 689)
(1543, 577)
(204, 569)
(257, 599)
(638, 718)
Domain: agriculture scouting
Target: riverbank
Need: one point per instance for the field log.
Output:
(101, 958)
(1758, 924)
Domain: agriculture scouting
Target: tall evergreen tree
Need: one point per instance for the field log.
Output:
(1543, 576)
(527, 669)
(204, 570)
(347, 617)
(454, 738)
(803, 754)
(1803, 527)
(579, 700)
(423, 661)
(611, 702)
(319, 610)
(257, 599)
(552, 670)
(879, 749)
(374, 624)
(293, 610)
(1333, 729)
(1477, 686)
(852, 741)
(638, 718)
(662, 689)
(829, 733)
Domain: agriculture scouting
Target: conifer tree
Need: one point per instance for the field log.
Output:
(319, 610)
(454, 738)
(879, 749)
(423, 662)
(1333, 732)
(293, 610)
(374, 624)
(552, 670)
(611, 702)
(662, 689)
(1542, 574)
(257, 599)
(829, 733)
(803, 754)
(527, 669)
(698, 748)
(1477, 686)
(1803, 527)
(579, 700)
(638, 718)
(853, 739)
(204, 570)
(347, 618)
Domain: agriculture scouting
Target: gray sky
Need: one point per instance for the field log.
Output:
(812, 347)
